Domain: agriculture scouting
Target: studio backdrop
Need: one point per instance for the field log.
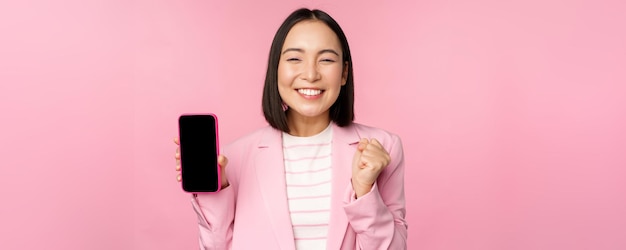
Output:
(512, 115)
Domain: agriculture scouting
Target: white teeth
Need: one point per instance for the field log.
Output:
(310, 92)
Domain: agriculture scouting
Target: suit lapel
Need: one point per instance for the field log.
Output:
(270, 172)
(344, 145)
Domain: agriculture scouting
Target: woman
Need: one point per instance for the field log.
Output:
(313, 179)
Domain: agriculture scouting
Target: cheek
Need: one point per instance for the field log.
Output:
(285, 74)
(282, 80)
(335, 75)
(280, 74)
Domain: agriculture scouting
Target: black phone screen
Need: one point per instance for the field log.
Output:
(198, 153)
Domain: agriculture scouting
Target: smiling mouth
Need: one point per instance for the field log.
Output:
(310, 92)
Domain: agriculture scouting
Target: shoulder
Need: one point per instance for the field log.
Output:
(243, 148)
(250, 139)
(382, 135)
(390, 141)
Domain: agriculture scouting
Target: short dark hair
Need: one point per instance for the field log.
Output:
(342, 111)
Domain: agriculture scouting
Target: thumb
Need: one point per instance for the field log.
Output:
(362, 144)
(222, 161)
(356, 160)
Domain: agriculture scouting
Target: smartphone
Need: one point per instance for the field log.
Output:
(199, 147)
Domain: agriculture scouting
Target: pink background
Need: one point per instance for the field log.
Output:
(513, 115)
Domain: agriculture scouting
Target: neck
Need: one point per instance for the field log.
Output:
(306, 126)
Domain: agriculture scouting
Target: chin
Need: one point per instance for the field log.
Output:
(309, 113)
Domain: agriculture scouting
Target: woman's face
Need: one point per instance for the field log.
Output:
(311, 69)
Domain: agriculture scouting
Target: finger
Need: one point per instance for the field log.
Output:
(356, 159)
(362, 144)
(382, 151)
(363, 164)
(375, 149)
(373, 159)
(177, 155)
(222, 160)
(176, 141)
(179, 178)
(376, 143)
(177, 167)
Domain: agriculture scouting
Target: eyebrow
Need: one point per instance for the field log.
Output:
(319, 53)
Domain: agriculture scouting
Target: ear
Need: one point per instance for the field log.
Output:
(344, 75)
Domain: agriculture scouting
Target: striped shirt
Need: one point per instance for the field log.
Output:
(308, 177)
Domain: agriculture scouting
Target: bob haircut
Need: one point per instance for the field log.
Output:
(342, 111)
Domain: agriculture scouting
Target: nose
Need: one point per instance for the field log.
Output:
(310, 72)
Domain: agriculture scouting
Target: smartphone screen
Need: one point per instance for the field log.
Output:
(198, 152)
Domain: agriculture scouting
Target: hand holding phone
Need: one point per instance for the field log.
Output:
(222, 161)
(199, 150)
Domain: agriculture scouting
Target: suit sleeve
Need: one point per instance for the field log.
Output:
(378, 217)
(216, 211)
(215, 221)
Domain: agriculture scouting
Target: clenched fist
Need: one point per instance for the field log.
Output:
(369, 160)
